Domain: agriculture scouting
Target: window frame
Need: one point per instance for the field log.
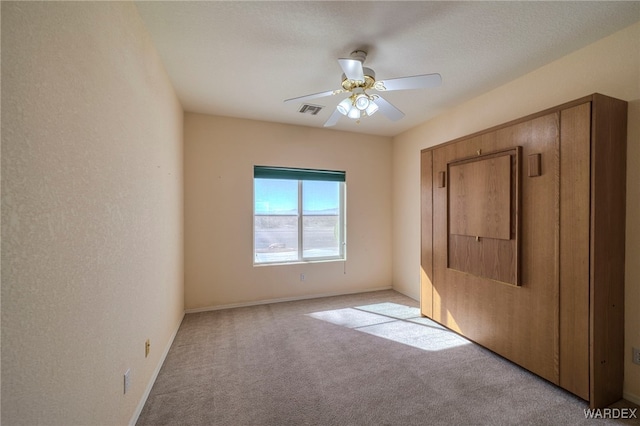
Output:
(304, 175)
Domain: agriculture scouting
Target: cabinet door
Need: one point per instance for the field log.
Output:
(575, 140)
(426, 252)
(607, 257)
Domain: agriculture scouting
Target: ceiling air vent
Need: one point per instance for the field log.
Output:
(310, 109)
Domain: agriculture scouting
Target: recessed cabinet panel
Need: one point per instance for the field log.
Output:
(480, 197)
(482, 215)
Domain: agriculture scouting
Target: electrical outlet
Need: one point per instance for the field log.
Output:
(127, 380)
(301, 277)
(147, 348)
(636, 356)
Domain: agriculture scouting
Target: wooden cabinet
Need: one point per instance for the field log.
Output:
(523, 229)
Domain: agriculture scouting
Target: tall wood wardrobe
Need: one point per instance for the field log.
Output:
(523, 229)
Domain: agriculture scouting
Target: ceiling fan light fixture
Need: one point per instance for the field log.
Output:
(345, 106)
(354, 113)
(362, 102)
(371, 109)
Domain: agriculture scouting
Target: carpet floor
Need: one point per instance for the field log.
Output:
(362, 359)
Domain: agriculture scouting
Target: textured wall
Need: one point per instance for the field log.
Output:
(91, 212)
(219, 157)
(610, 66)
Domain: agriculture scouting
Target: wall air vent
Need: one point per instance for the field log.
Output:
(310, 109)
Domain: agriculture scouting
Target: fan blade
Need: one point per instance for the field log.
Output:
(315, 95)
(388, 110)
(333, 119)
(424, 81)
(352, 69)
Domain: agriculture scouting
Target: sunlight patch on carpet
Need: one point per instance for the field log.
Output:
(393, 310)
(416, 335)
(350, 318)
(391, 321)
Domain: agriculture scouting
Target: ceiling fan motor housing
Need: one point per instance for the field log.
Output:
(369, 81)
(359, 55)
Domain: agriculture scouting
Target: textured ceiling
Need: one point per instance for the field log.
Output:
(242, 59)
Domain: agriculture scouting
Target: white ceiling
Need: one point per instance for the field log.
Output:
(242, 59)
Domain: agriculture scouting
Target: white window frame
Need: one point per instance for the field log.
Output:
(342, 219)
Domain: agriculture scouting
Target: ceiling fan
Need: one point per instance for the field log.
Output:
(359, 81)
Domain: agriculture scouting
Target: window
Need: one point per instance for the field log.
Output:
(299, 215)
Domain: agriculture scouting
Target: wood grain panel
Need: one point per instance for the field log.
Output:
(493, 258)
(426, 236)
(507, 319)
(608, 197)
(480, 197)
(537, 341)
(575, 140)
(486, 257)
(535, 168)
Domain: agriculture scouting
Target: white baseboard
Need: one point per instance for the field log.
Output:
(283, 299)
(408, 295)
(154, 376)
(631, 397)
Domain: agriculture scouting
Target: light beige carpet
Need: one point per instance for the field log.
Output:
(365, 359)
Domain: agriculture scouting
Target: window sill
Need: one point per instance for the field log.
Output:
(299, 262)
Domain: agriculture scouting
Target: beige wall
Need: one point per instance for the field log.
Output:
(219, 157)
(92, 195)
(610, 66)
(91, 212)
